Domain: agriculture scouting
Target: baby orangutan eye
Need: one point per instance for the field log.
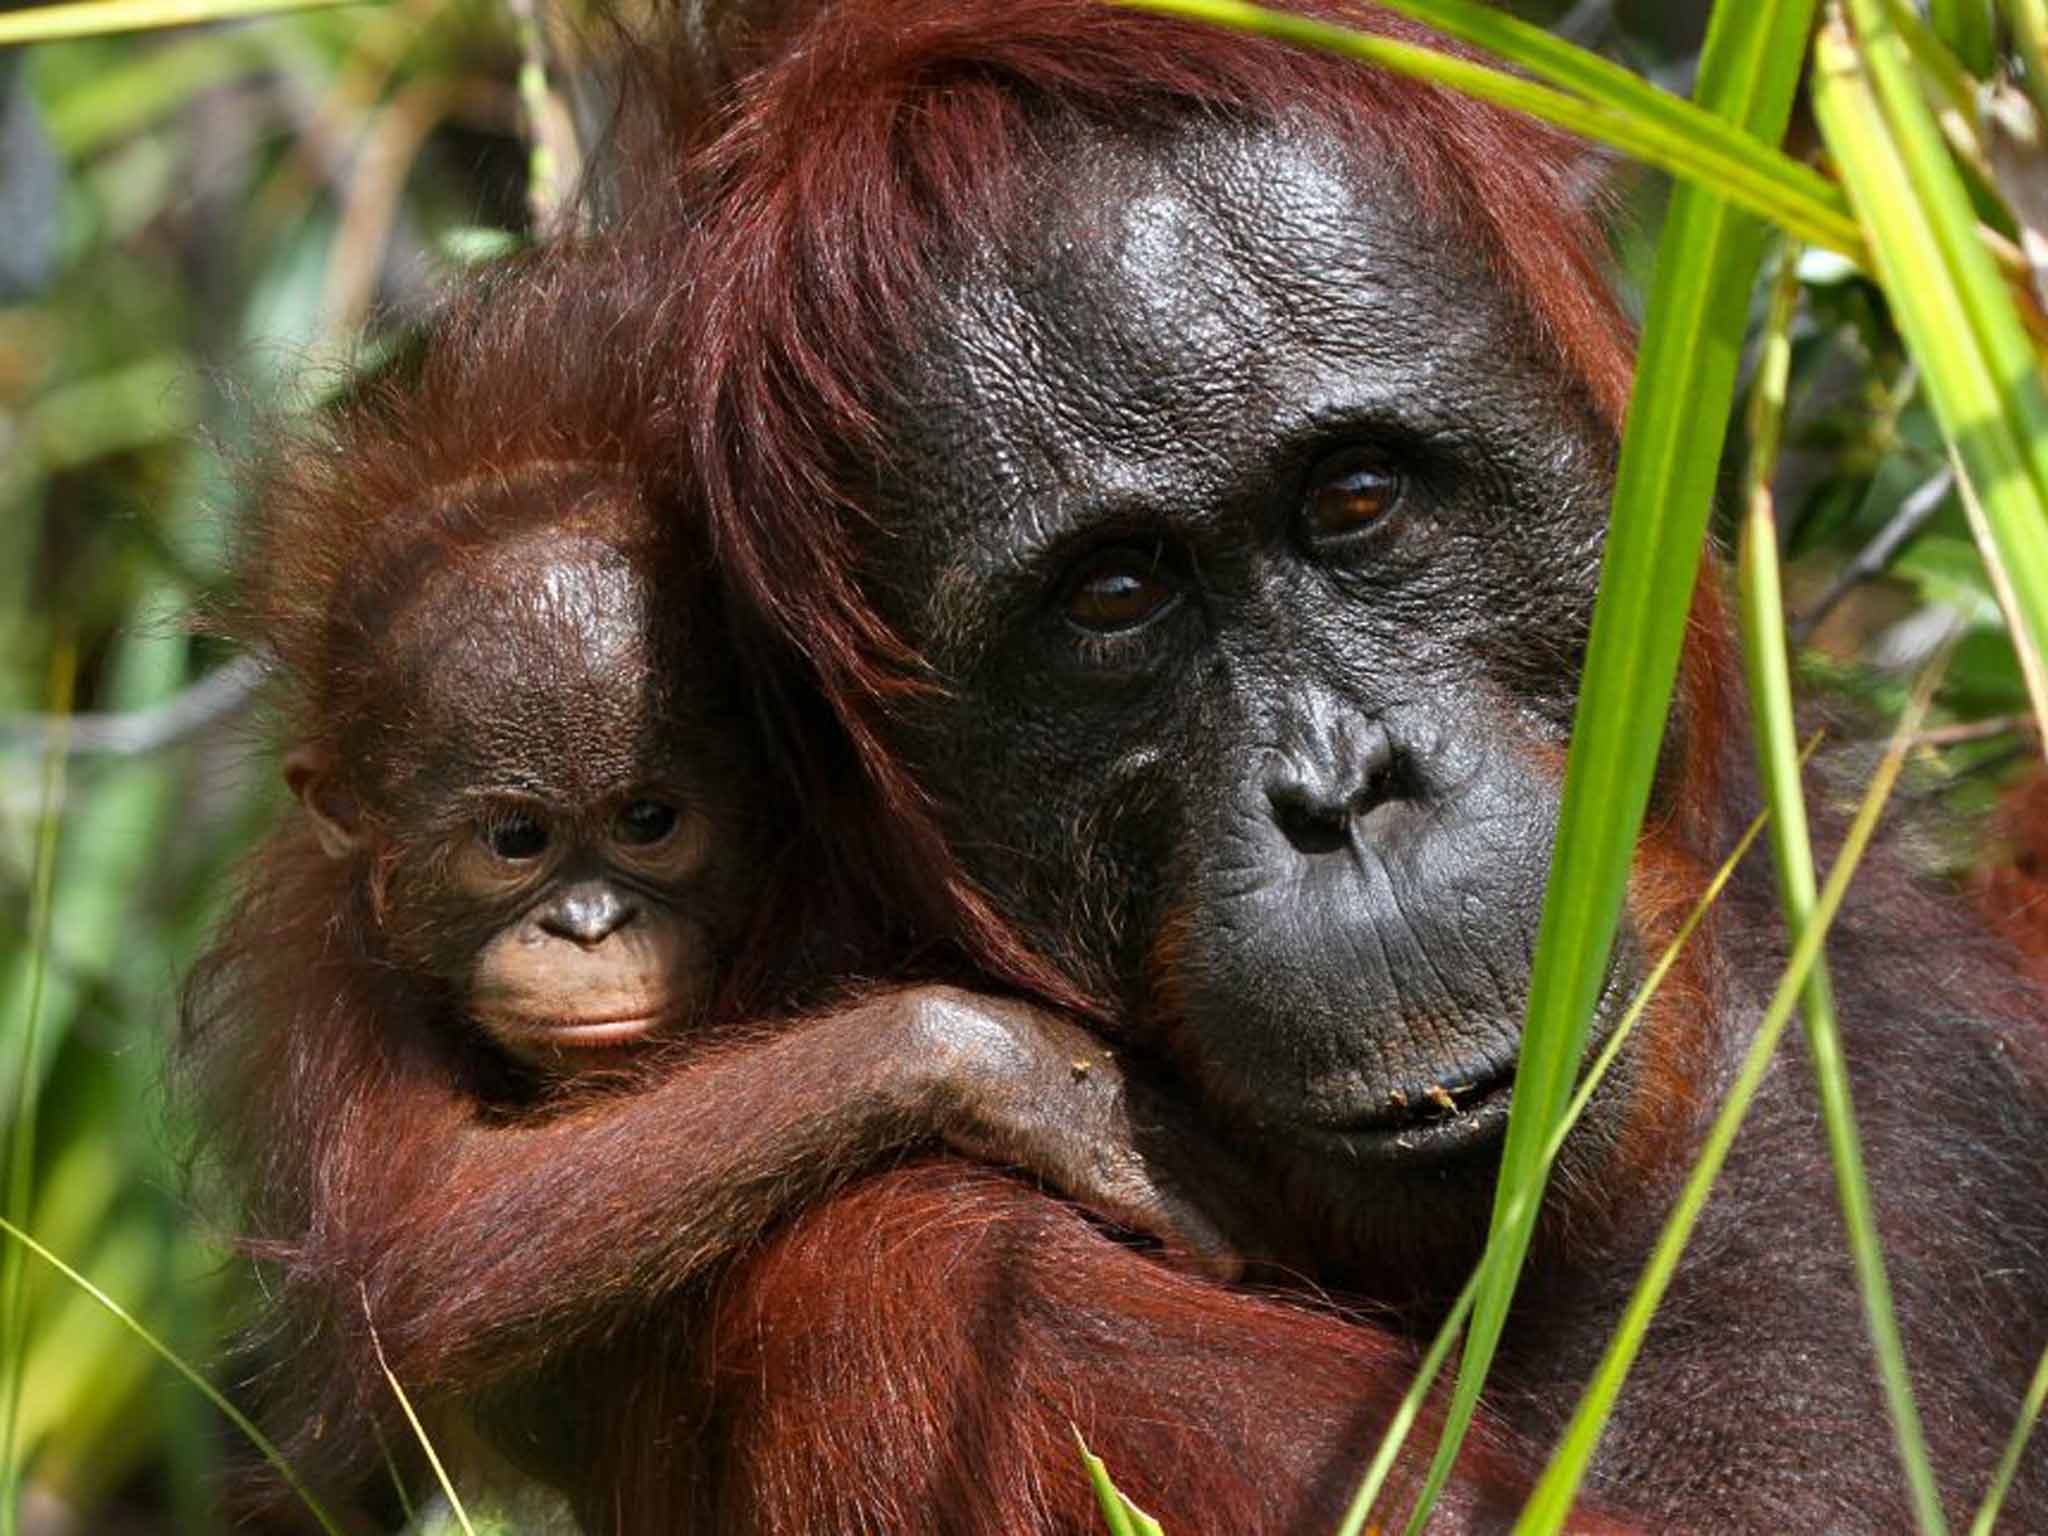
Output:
(516, 837)
(642, 823)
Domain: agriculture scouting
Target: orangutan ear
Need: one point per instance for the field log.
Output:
(337, 819)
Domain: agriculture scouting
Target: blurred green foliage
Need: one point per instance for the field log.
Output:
(232, 209)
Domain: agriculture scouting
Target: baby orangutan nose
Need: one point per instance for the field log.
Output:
(588, 914)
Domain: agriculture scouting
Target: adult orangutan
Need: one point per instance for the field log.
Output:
(1187, 460)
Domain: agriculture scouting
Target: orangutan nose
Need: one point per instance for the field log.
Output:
(1320, 787)
(588, 914)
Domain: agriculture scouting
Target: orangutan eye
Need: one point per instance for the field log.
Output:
(516, 837)
(644, 822)
(1120, 590)
(1350, 497)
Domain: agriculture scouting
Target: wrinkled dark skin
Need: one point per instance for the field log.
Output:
(1246, 517)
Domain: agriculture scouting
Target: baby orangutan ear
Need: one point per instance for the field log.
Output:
(337, 820)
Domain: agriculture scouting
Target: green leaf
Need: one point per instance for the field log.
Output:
(127, 98)
(1678, 419)
(1948, 297)
(1948, 570)
(1551, 1504)
(1969, 30)
(1984, 679)
(476, 245)
(1121, 1516)
(89, 18)
(1769, 672)
(1600, 101)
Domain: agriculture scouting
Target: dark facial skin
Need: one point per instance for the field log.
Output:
(572, 844)
(1253, 540)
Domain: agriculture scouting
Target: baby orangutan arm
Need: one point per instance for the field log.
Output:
(523, 1232)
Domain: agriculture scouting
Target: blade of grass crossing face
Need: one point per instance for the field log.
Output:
(22, 1140)
(1685, 382)
(1769, 674)
(1410, 1408)
(1551, 1504)
(1666, 133)
(1947, 296)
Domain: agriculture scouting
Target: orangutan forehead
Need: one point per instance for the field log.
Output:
(1179, 328)
(542, 663)
(552, 607)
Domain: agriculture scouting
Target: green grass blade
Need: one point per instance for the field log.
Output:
(1685, 383)
(1584, 73)
(1769, 674)
(419, 1432)
(1374, 1483)
(2028, 21)
(1947, 296)
(1410, 1409)
(2033, 670)
(1969, 30)
(178, 1363)
(22, 1140)
(2009, 1463)
(127, 97)
(1121, 1516)
(1551, 1503)
(90, 18)
(1641, 121)
(1938, 192)
(1943, 73)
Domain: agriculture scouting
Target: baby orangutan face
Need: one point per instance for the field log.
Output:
(552, 797)
(583, 932)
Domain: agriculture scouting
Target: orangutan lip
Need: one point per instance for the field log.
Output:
(1445, 1119)
(591, 1032)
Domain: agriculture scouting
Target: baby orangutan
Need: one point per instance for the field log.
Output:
(550, 786)
(553, 791)
(546, 850)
